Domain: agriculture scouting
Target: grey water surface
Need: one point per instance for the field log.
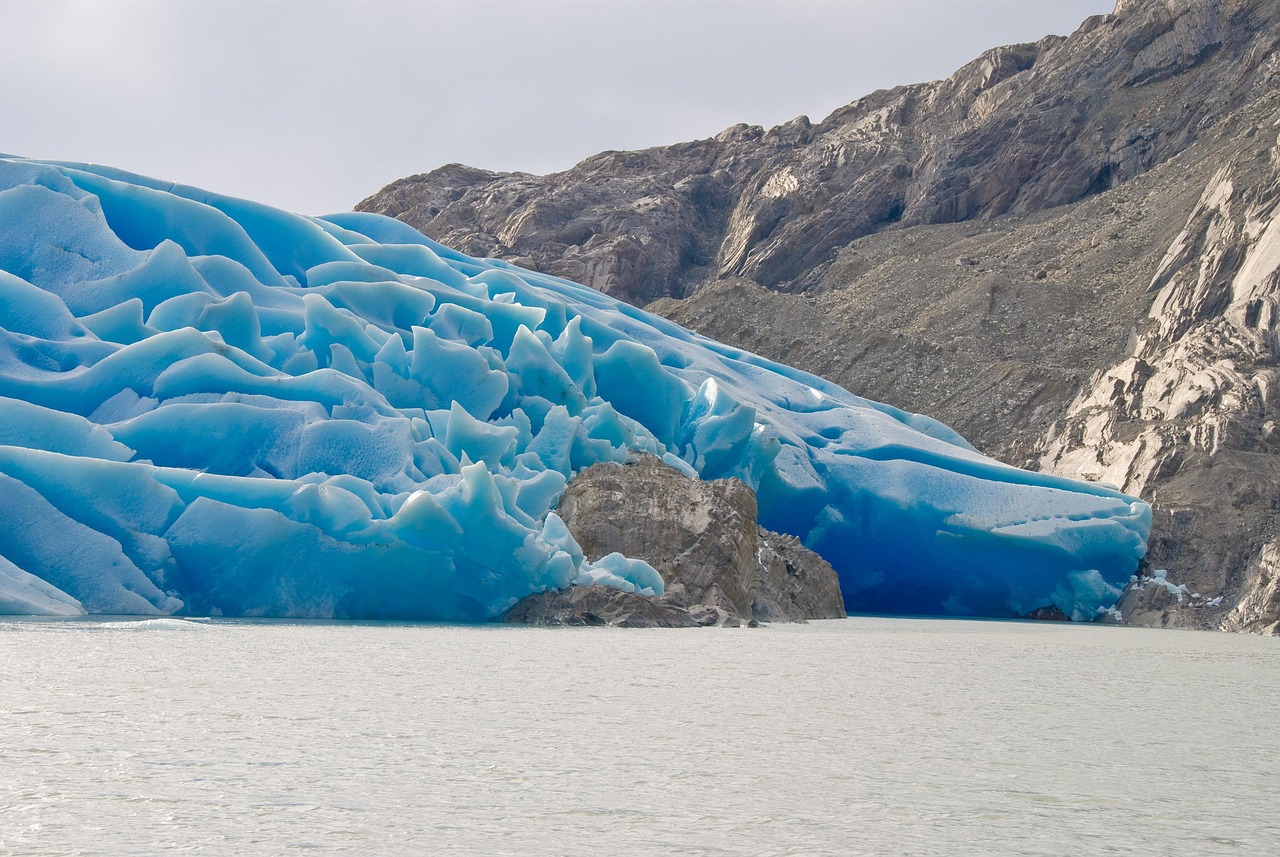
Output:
(858, 736)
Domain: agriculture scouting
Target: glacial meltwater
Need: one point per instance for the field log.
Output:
(861, 736)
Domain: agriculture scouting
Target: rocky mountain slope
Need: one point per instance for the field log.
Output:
(1128, 339)
(1067, 251)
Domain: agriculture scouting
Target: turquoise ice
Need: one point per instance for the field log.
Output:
(208, 405)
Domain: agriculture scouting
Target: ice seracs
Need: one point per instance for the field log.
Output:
(212, 406)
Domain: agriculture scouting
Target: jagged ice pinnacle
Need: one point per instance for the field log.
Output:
(211, 406)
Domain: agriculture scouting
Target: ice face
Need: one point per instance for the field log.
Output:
(208, 405)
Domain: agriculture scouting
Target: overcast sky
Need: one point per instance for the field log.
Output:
(312, 105)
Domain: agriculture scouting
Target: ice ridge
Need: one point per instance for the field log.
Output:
(208, 405)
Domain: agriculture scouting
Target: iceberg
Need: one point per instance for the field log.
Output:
(210, 406)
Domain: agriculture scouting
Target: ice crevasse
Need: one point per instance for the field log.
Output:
(208, 405)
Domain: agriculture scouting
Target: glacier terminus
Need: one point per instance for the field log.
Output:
(210, 406)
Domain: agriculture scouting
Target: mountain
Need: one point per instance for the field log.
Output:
(211, 406)
(1066, 251)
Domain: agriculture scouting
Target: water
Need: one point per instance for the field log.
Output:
(863, 736)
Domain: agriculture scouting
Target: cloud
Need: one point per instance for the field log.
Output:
(313, 104)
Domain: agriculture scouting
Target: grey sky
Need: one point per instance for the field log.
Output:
(313, 104)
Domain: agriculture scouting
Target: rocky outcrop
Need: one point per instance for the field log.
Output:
(1021, 129)
(792, 583)
(1189, 415)
(719, 566)
(597, 606)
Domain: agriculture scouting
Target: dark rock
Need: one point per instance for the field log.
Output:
(792, 582)
(700, 536)
(719, 566)
(596, 605)
(1048, 614)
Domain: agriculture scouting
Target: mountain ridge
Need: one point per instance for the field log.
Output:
(1018, 129)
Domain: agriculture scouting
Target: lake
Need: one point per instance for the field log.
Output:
(858, 736)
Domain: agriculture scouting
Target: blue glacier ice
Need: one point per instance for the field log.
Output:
(211, 406)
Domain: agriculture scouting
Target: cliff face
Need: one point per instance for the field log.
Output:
(1068, 251)
(719, 566)
(1018, 130)
(1189, 415)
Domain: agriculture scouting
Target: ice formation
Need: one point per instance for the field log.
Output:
(211, 406)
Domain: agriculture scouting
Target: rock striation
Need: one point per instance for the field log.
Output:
(1189, 414)
(719, 566)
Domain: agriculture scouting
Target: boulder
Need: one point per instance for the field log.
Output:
(719, 565)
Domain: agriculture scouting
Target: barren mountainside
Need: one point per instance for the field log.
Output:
(1068, 251)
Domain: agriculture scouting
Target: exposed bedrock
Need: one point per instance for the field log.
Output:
(1189, 416)
(1128, 339)
(1021, 129)
(719, 566)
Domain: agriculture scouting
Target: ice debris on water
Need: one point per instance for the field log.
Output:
(211, 406)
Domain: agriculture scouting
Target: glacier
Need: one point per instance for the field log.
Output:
(210, 406)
